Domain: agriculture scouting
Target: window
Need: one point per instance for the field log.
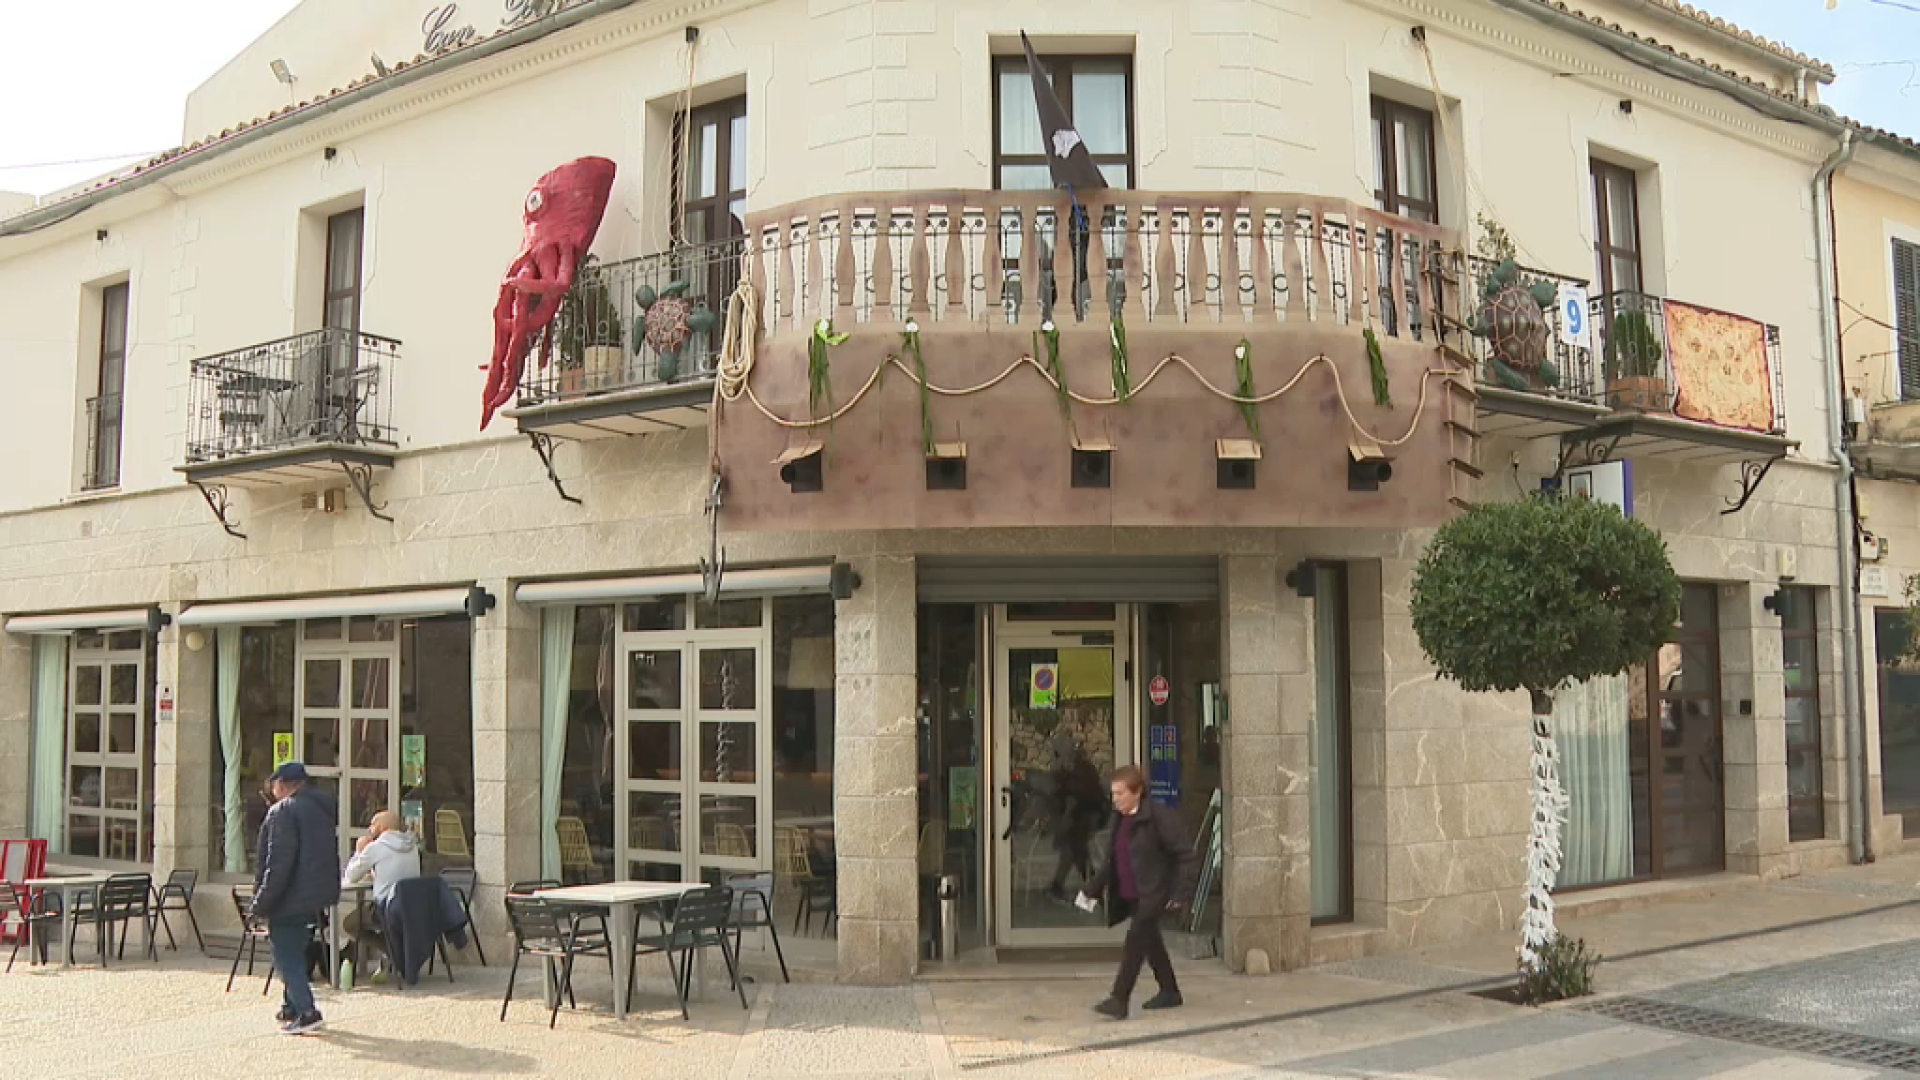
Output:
(1616, 210)
(1799, 637)
(711, 203)
(341, 307)
(110, 739)
(378, 709)
(1097, 93)
(1330, 746)
(1906, 315)
(104, 409)
(1405, 174)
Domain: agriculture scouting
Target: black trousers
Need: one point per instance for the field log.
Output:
(1144, 946)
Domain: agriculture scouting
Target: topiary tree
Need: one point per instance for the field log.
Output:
(1534, 595)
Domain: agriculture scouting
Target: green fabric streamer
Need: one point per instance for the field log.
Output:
(1243, 387)
(1047, 343)
(819, 387)
(911, 339)
(1377, 365)
(1122, 385)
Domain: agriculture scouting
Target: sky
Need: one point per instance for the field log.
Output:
(105, 82)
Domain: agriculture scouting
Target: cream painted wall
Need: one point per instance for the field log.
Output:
(862, 95)
(1873, 203)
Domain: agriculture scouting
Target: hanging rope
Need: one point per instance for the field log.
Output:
(734, 379)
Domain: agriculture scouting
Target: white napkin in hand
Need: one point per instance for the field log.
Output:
(1085, 903)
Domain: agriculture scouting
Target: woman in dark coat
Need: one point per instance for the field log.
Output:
(1150, 873)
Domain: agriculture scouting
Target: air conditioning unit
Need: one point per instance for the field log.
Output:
(1872, 548)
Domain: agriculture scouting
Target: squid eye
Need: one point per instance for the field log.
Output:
(535, 201)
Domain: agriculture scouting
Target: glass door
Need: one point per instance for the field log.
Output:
(344, 727)
(1063, 721)
(110, 747)
(1687, 788)
(692, 740)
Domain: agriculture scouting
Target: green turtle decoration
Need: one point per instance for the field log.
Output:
(1513, 320)
(669, 320)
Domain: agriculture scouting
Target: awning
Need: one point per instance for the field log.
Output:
(791, 580)
(418, 603)
(67, 622)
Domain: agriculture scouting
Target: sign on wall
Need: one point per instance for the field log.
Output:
(1163, 764)
(446, 27)
(1573, 316)
(1610, 482)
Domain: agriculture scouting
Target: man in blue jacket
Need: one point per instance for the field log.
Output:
(298, 882)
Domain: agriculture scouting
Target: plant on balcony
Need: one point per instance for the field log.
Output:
(1046, 343)
(910, 340)
(590, 332)
(1535, 595)
(1633, 356)
(1377, 370)
(1513, 320)
(668, 321)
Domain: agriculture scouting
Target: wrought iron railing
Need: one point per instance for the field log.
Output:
(1636, 356)
(324, 387)
(619, 323)
(1009, 258)
(1574, 364)
(103, 443)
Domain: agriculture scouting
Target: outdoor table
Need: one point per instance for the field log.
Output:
(622, 900)
(358, 892)
(66, 886)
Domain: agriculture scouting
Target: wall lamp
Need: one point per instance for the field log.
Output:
(842, 581)
(1778, 602)
(479, 601)
(1302, 579)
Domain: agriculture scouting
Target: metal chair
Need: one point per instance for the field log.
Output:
(122, 899)
(700, 921)
(252, 933)
(751, 891)
(589, 924)
(21, 922)
(731, 841)
(179, 886)
(541, 929)
(463, 880)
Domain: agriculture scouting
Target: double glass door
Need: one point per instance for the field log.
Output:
(1063, 721)
(692, 740)
(110, 747)
(345, 723)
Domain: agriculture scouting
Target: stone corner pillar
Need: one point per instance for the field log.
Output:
(183, 751)
(506, 756)
(1267, 887)
(875, 803)
(1754, 738)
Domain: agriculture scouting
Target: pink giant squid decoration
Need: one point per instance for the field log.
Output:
(563, 213)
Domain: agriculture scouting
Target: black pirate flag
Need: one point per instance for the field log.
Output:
(1068, 159)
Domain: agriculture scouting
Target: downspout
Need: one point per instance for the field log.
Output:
(1847, 546)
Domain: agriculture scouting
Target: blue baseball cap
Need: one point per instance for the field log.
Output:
(293, 772)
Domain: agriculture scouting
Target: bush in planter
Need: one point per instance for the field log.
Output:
(588, 319)
(1633, 349)
(1563, 969)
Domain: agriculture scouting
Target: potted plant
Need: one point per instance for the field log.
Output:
(1633, 356)
(592, 350)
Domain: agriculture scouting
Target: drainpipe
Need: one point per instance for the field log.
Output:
(1848, 547)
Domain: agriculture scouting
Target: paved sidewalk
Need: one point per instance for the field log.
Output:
(1828, 965)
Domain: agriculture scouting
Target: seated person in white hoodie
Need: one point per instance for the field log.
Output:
(388, 854)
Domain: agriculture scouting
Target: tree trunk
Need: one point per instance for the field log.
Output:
(1543, 844)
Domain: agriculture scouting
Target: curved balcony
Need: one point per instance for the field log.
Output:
(1139, 303)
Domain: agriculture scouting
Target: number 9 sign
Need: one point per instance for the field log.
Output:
(1573, 315)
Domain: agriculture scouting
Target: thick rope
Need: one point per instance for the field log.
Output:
(734, 378)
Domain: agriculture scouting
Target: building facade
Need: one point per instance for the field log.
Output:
(1136, 474)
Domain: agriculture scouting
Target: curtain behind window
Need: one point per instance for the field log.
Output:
(1590, 727)
(50, 740)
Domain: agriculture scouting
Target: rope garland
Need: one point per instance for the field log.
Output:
(734, 378)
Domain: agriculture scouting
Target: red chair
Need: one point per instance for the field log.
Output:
(21, 861)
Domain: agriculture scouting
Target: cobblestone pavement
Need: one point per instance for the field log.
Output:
(1773, 971)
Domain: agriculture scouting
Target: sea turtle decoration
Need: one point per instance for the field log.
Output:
(1513, 319)
(669, 321)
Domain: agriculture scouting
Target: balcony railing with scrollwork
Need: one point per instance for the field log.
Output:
(327, 387)
(1578, 379)
(1018, 259)
(600, 339)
